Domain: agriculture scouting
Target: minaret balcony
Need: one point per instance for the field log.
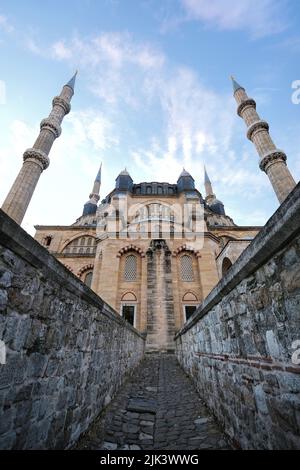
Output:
(257, 125)
(271, 158)
(245, 104)
(51, 125)
(36, 156)
(58, 101)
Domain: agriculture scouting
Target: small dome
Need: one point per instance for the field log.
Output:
(184, 173)
(124, 173)
(89, 208)
(217, 207)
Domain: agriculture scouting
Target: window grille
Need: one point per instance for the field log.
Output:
(187, 268)
(130, 268)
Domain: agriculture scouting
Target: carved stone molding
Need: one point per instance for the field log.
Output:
(185, 247)
(270, 158)
(128, 248)
(58, 101)
(51, 125)
(255, 126)
(84, 269)
(36, 156)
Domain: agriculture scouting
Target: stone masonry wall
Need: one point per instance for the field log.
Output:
(238, 345)
(67, 352)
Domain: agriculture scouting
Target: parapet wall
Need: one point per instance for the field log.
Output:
(240, 345)
(67, 352)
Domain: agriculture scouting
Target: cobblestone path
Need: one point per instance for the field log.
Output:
(158, 408)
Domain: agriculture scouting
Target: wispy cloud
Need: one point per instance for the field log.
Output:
(60, 51)
(260, 19)
(195, 124)
(5, 25)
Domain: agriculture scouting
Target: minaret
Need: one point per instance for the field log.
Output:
(208, 187)
(213, 203)
(90, 207)
(272, 160)
(36, 159)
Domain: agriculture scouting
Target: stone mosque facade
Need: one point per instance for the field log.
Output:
(131, 250)
(152, 250)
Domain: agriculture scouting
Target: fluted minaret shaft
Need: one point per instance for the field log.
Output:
(36, 159)
(272, 160)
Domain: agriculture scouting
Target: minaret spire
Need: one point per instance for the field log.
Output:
(36, 159)
(207, 184)
(236, 85)
(90, 207)
(272, 160)
(71, 82)
(97, 183)
(213, 203)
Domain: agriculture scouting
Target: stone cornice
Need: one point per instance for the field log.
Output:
(236, 228)
(65, 227)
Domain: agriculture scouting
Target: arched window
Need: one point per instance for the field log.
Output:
(88, 278)
(128, 297)
(128, 307)
(81, 245)
(190, 303)
(130, 269)
(186, 268)
(189, 297)
(47, 240)
(226, 265)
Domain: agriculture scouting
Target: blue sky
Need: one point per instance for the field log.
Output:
(153, 94)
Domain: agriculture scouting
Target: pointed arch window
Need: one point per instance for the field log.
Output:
(88, 278)
(130, 268)
(186, 268)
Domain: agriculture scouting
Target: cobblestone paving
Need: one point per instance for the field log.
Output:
(158, 408)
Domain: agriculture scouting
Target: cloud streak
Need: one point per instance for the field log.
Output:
(259, 19)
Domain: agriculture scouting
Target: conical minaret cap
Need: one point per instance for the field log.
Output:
(206, 177)
(98, 177)
(71, 82)
(236, 85)
(97, 183)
